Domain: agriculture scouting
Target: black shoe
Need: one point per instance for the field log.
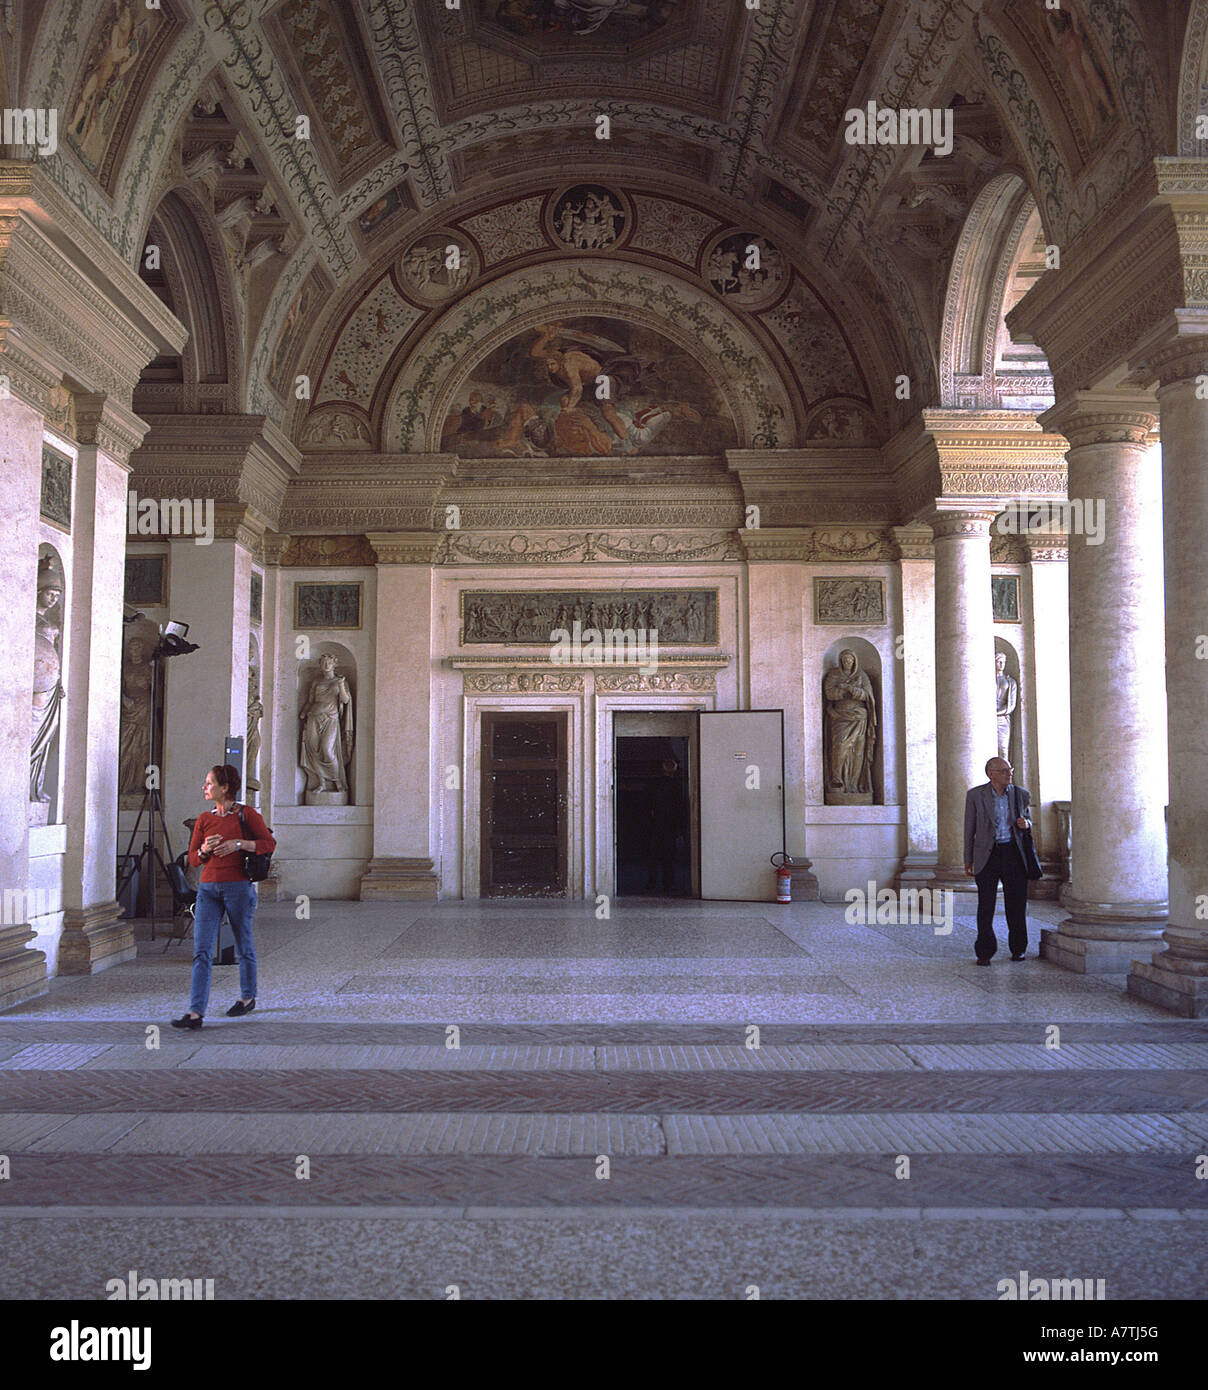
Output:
(1020, 956)
(239, 1008)
(986, 961)
(188, 1021)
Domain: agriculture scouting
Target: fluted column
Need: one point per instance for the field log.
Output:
(1177, 978)
(966, 734)
(1117, 899)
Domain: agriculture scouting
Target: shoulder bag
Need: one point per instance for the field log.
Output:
(1031, 860)
(255, 866)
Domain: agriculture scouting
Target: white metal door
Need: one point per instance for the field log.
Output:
(741, 802)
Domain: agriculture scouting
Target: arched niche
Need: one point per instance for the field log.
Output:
(1014, 752)
(50, 624)
(344, 740)
(841, 726)
(426, 388)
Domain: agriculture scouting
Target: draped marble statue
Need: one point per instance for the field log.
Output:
(327, 737)
(48, 684)
(1007, 689)
(255, 712)
(134, 740)
(849, 733)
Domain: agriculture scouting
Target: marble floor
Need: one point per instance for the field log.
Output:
(682, 1101)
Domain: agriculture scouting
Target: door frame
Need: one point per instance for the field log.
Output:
(471, 781)
(603, 880)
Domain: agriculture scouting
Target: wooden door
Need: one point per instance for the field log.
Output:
(524, 805)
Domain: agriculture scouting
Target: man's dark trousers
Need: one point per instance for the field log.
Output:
(1005, 863)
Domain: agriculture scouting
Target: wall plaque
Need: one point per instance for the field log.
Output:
(849, 601)
(147, 581)
(327, 605)
(56, 487)
(1004, 592)
(681, 617)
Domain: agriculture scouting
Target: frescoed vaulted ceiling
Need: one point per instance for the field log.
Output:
(335, 151)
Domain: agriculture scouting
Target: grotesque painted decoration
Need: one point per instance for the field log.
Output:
(587, 386)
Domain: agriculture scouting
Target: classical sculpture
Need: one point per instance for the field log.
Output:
(255, 711)
(849, 733)
(48, 664)
(327, 737)
(1008, 697)
(134, 741)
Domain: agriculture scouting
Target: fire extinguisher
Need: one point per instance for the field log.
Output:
(784, 877)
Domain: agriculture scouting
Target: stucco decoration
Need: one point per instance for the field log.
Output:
(434, 378)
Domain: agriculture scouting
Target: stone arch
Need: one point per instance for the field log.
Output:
(1193, 80)
(987, 278)
(739, 366)
(197, 287)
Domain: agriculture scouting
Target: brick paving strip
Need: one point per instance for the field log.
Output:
(261, 1029)
(83, 1092)
(945, 1181)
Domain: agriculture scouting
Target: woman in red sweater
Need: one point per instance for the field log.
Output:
(218, 846)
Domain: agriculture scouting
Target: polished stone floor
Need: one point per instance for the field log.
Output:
(605, 1126)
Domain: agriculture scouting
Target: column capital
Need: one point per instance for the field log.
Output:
(1103, 417)
(403, 547)
(112, 427)
(1177, 350)
(1047, 546)
(914, 542)
(963, 520)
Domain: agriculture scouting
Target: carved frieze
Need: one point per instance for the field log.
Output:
(518, 547)
(311, 551)
(523, 682)
(681, 617)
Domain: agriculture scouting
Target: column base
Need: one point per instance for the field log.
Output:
(396, 879)
(22, 971)
(94, 938)
(917, 870)
(1155, 983)
(805, 883)
(1104, 938)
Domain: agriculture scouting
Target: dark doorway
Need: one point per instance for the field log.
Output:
(523, 806)
(653, 823)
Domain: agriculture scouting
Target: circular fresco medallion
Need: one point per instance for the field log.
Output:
(437, 266)
(588, 218)
(745, 269)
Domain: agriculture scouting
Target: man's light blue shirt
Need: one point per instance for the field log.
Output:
(1002, 815)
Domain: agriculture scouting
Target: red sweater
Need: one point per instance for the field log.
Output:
(228, 868)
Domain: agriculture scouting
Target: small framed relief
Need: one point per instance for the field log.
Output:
(856, 602)
(256, 597)
(147, 581)
(56, 488)
(327, 605)
(1004, 592)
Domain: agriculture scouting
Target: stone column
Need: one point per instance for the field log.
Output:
(22, 970)
(966, 733)
(1177, 978)
(917, 562)
(95, 933)
(1048, 711)
(1117, 898)
(402, 866)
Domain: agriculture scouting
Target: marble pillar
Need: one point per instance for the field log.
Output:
(404, 810)
(95, 932)
(966, 730)
(1117, 895)
(22, 969)
(1177, 978)
(917, 562)
(1047, 712)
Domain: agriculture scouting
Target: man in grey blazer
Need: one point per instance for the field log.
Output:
(993, 851)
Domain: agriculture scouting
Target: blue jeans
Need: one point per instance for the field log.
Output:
(239, 901)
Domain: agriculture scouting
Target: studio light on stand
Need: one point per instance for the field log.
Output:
(172, 642)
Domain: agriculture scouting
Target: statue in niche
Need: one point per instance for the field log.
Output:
(134, 741)
(1007, 689)
(327, 737)
(849, 733)
(48, 684)
(255, 712)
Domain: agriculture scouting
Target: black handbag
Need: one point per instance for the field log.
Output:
(255, 866)
(1031, 860)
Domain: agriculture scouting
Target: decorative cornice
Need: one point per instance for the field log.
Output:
(1043, 548)
(851, 544)
(403, 547)
(106, 423)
